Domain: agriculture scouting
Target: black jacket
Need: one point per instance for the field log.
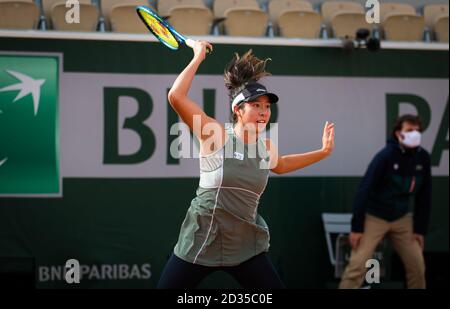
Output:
(396, 178)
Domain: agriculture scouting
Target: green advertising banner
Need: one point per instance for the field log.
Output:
(29, 138)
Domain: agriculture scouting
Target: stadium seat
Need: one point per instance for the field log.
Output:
(125, 16)
(18, 14)
(441, 29)
(278, 7)
(294, 18)
(191, 20)
(436, 19)
(56, 10)
(241, 17)
(190, 17)
(221, 6)
(245, 22)
(401, 23)
(343, 19)
(399, 8)
(164, 6)
(89, 15)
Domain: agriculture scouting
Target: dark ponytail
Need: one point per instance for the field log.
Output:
(241, 70)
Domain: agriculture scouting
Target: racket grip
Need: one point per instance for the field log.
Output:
(191, 42)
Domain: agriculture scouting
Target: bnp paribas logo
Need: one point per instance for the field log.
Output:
(26, 86)
(29, 135)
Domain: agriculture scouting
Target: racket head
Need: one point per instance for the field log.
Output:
(159, 28)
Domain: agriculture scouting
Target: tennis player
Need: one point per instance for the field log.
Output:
(222, 229)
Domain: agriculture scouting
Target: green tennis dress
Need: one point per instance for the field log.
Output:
(222, 226)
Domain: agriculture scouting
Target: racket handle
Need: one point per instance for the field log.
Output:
(191, 42)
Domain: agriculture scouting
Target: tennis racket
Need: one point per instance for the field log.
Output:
(162, 30)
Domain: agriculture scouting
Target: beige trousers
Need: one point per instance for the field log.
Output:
(401, 235)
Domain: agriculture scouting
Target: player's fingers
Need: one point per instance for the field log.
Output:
(209, 46)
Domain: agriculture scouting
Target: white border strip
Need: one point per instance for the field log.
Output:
(275, 41)
(214, 209)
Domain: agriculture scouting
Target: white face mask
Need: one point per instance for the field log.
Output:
(411, 139)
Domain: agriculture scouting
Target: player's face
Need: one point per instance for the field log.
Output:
(255, 115)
